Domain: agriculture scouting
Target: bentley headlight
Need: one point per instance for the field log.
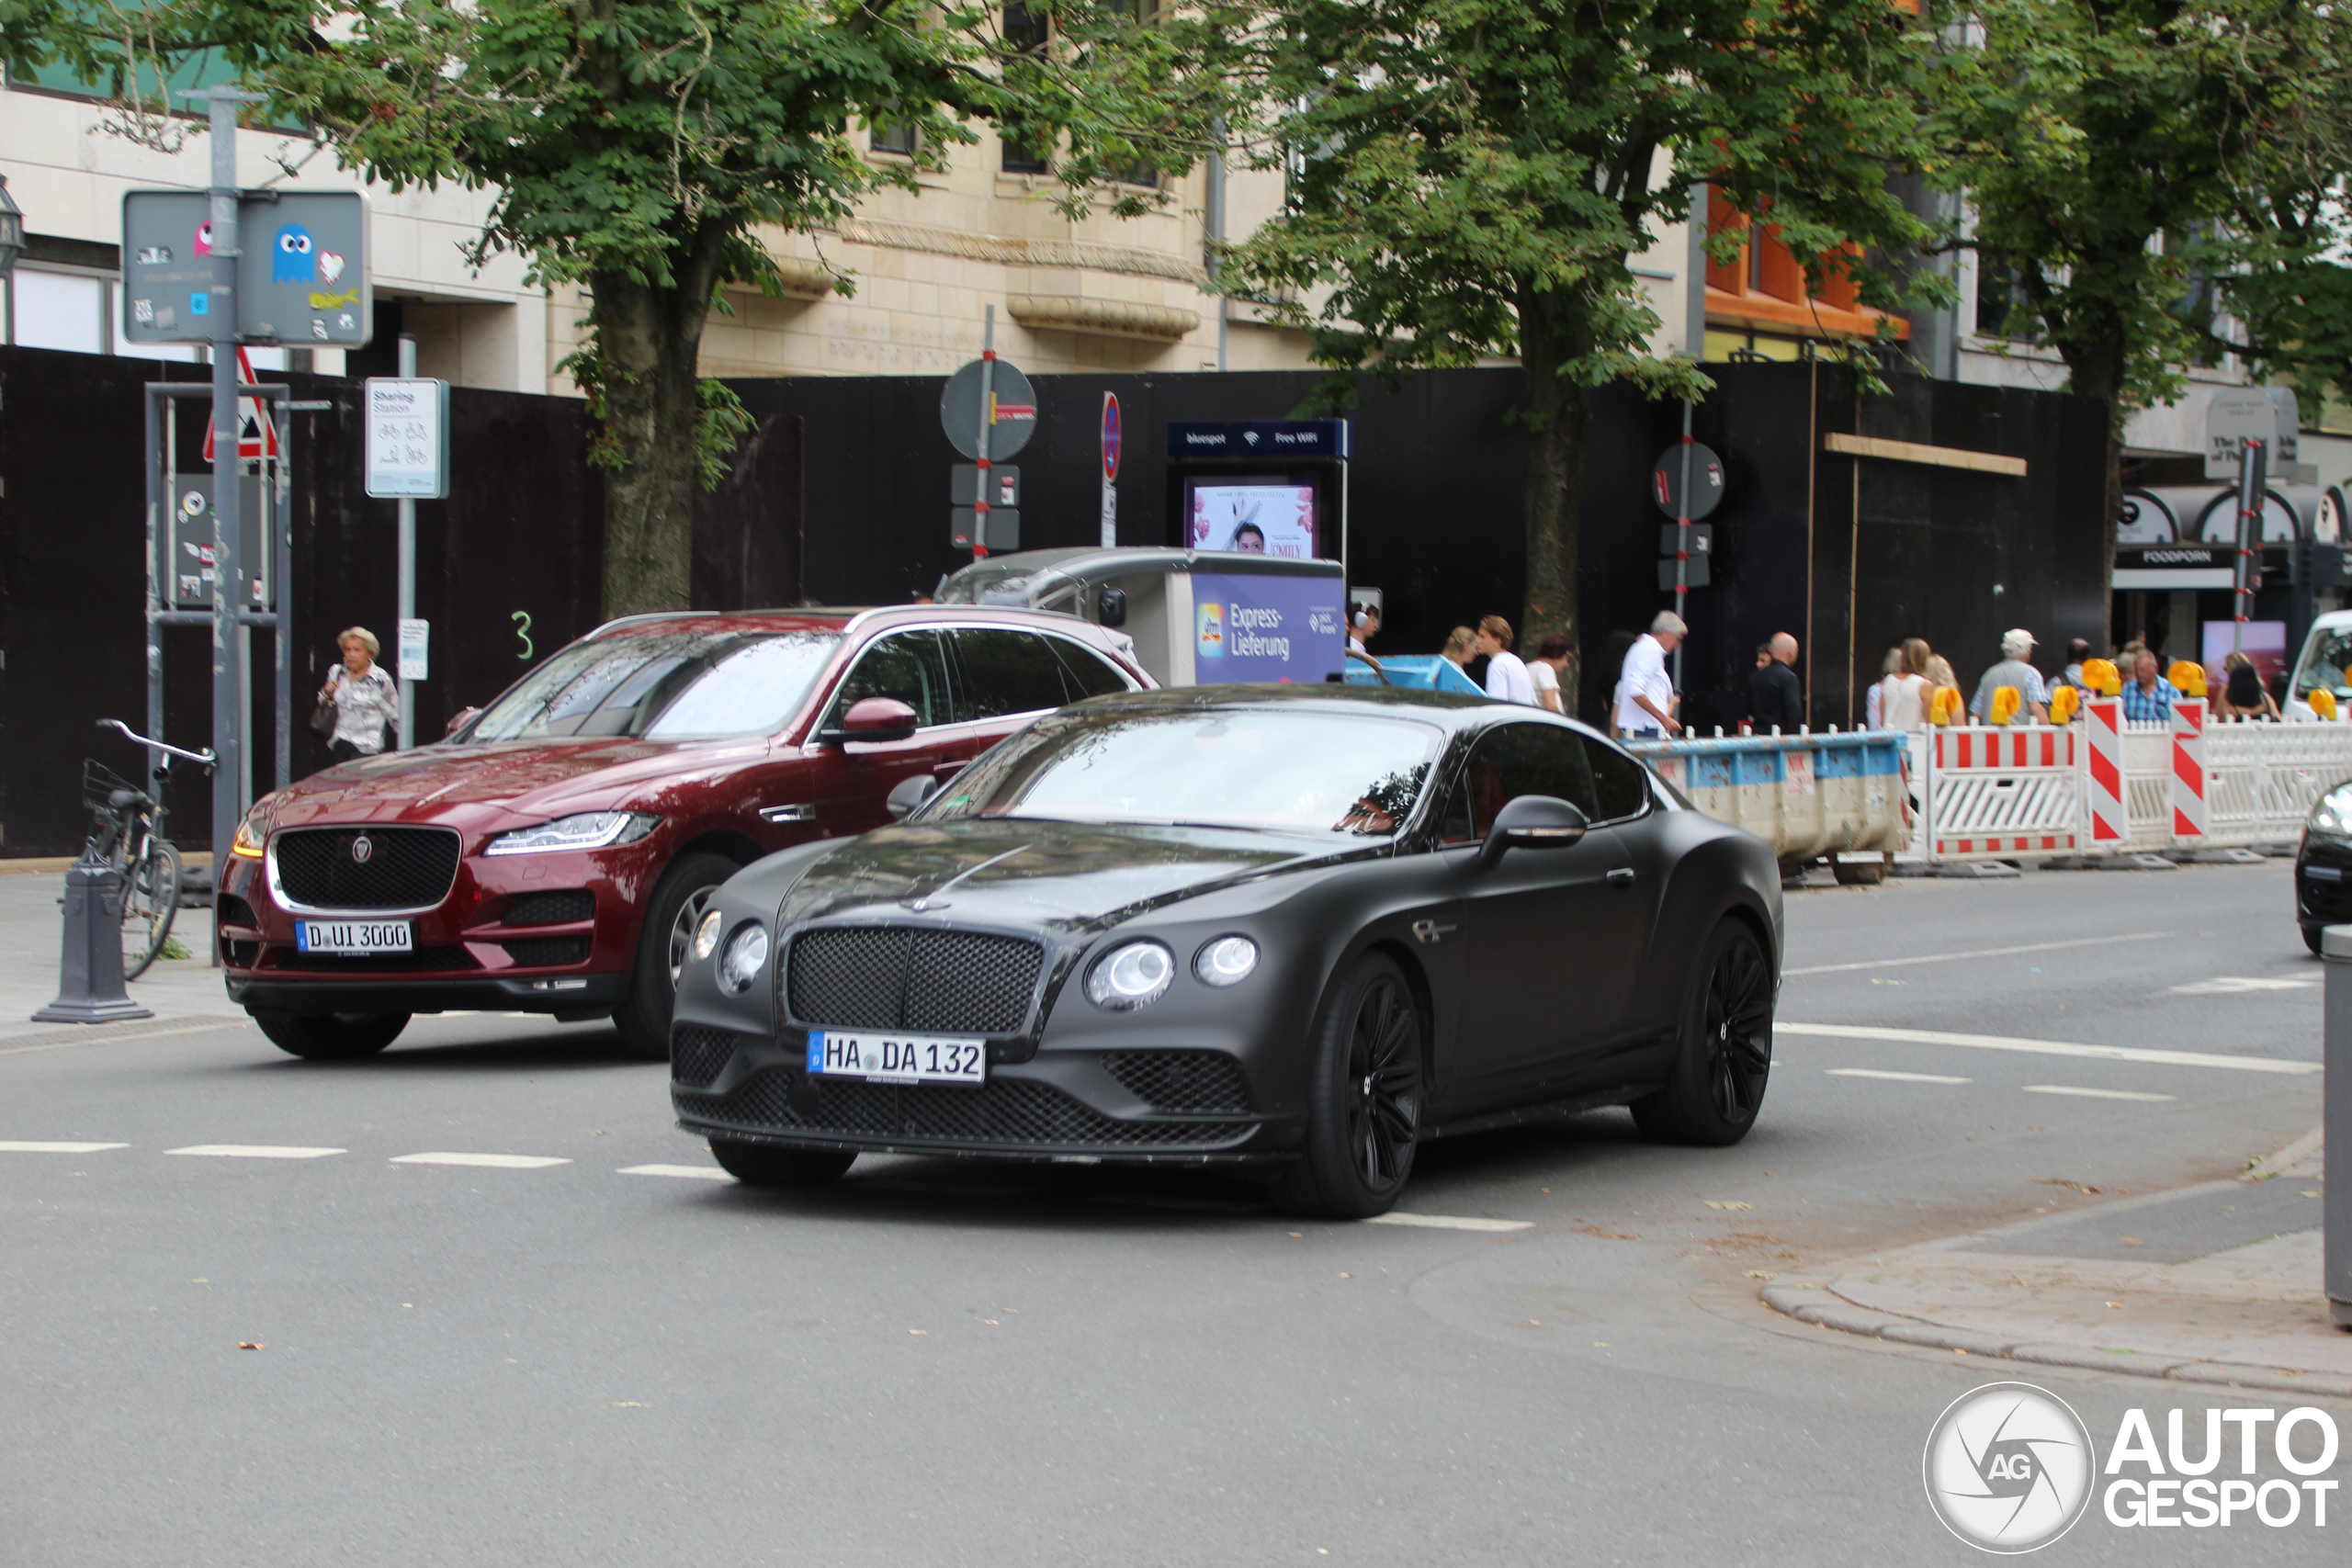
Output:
(2332, 815)
(1227, 961)
(746, 955)
(707, 934)
(1132, 976)
(587, 830)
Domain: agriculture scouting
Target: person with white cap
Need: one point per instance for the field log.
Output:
(2016, 647)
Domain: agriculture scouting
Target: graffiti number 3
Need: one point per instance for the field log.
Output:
(522, 619)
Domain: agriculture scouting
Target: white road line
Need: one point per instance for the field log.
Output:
(2234, 984)
(692, 1172)
(493, 1162)
(2092, 1093)
(2047, 1047)
(1898, 1077)
(1980, 953)
(19, 1148)
(255, 1151)
(1450, 1222)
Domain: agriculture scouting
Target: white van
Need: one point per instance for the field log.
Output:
(2325, 664)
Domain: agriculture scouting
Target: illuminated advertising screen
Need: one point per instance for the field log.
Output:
(1262, 519)
(1266, 628)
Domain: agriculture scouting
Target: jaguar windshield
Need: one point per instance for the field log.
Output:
(1231, 768)
(661, 687)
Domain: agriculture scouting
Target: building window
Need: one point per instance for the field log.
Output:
(1025, 151)
(2002, 309)
(897, 136)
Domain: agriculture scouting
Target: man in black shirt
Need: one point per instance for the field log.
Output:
(1773, 695)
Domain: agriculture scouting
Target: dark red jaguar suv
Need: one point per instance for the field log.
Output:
(553, 854)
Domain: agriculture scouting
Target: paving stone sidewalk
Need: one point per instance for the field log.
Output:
(2217, 1283)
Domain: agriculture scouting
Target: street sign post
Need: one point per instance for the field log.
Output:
(1110, 470)
(1687, 481)
(989, 410)
(303, 278)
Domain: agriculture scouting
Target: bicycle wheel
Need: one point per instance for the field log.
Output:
(150, 897)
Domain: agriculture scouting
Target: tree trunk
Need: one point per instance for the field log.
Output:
(2095, 369)
(1553, 329)
(648, 340)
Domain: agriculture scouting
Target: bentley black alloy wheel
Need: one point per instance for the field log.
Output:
(1725, 1057)
(1364, 1101)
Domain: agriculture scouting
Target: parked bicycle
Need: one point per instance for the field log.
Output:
(127, 833)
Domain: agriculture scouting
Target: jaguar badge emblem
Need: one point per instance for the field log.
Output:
(362, 849)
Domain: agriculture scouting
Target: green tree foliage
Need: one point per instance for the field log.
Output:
(2109, 149)
(639, 148)
(1473, 177)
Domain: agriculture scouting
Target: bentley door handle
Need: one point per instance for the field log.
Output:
(1621, 877)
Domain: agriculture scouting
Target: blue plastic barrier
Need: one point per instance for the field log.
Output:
(1806, 795)
(1422, 672)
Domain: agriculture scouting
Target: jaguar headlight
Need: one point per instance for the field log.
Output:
(1227, 961)
(746, 955)
(1132, 976)
(253, 833)
(2333, 815)
(587, 830)
(706, 935)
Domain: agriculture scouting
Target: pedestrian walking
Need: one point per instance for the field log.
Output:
(1775, 701)
(2078, 653)
(1873, 700)
(1506, 677)
(2241, 695)
(1460, 647)
(363, 700)
(1363, 628)
(1549, 672)
(2016, 647)
(1904, 693)
(1644, 704)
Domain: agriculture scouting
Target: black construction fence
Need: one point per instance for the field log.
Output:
(840, 497)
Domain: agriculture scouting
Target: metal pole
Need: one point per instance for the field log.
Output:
(2252, 464)
(1682, 546)
(159, 490)
(2335, 946)
(282, 545)
(408, 570)
(227, 509)
(988, 424)
(1216, 226)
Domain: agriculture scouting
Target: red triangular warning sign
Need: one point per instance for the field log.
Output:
(257, 436)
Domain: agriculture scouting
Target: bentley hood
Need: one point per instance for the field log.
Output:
(1042, 874)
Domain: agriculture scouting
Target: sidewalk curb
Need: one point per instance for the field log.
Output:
(1810, 1299)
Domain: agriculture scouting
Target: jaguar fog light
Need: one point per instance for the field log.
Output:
(1227, 961)
(746, 955)
(706, 935)
(1131, 976)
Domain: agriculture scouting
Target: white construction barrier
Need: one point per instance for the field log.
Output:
(1999, 792)
(2188, 769)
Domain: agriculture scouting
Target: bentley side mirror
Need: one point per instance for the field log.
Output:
(873, 718)
(1533, 823)
(458, 720)
(1111, 606)
(910, 793)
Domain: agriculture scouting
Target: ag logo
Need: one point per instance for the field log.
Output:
(2008, 1468)
(363, 847)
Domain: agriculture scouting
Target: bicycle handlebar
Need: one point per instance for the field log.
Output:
(205, 757)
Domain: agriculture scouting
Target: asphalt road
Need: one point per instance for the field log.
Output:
(960, 1363)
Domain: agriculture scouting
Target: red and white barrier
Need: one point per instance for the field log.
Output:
(2188, 817)
(2001, 791)
(2102, 730)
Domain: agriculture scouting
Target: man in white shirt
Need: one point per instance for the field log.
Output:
(1506, 677)
(1645, 690)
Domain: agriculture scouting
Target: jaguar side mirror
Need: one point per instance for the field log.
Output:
(458, 720)
(910, 793)
(1111, 606)
(1533, 823)
(873, 718)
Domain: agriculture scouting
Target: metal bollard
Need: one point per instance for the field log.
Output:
(89, 962)
(2335, 946)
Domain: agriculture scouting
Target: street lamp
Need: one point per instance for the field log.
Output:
(12, 245)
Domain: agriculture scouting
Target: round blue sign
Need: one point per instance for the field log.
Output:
(1110, 435)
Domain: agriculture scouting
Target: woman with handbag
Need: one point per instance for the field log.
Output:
(359, 706)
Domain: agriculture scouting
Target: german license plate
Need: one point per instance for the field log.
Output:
(355, 937)
(878, 1057)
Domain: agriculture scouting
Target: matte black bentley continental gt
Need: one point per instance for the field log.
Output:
(1302, 928)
